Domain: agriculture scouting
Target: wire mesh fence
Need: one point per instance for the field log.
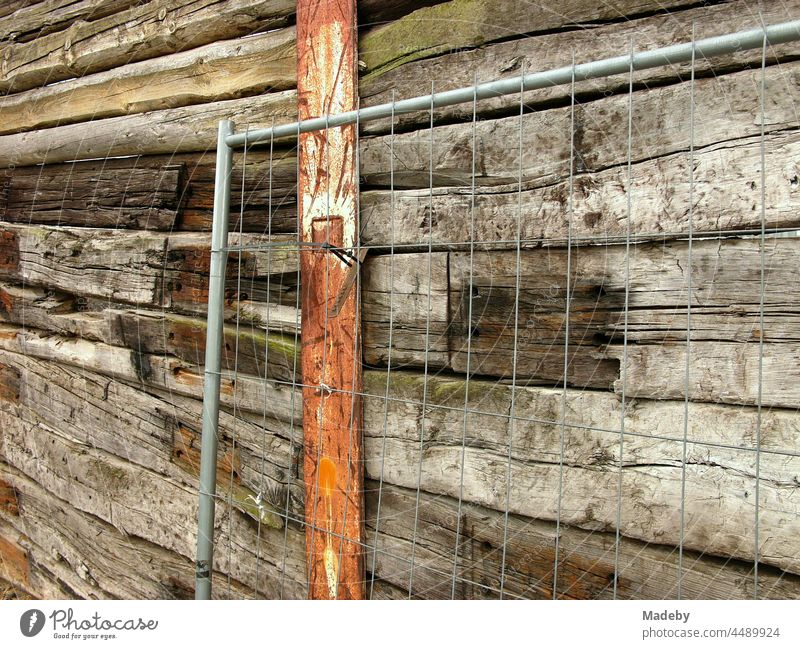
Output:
(579, 336)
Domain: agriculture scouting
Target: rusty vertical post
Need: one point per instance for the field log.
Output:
(328, 199)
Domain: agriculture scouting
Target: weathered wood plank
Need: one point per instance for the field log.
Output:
(270, 188)
(727, 196)
(727, 185)
(213, 72)
(661, 119)
(725, 299)
(38, 19)
(718, 372)
(416, 296)
(97, 194)
(140, 32)
(172, 130)
(92, 558)
(458, 68)
(586, 559)
(464, 24)
(113, 490)
(221, 70)
(14, 562)
(9, 503)
(725, 282)
(652, 472)
(145, 268)
(472, 300)
(164, 430)
(374, 12)
(156, 373)
(10, 6)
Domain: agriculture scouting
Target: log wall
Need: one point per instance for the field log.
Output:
(107, 127)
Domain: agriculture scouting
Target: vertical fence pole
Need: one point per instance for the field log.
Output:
(216, 288)
(328, 214)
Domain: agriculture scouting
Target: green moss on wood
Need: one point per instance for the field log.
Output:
(441, 391)
(246, 501)
(428, 32)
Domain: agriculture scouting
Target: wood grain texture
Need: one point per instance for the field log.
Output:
(661, 119)
(167, 131)
(466, 24)
(727, 196)
(327, 78)
(113, 490)
(38, 19)
(542, 51)
(214, 72)
(650, 466)
(586, 564)
(143, 268)
(140, 32)
(96, 194)
(467, 309)
(77, 555)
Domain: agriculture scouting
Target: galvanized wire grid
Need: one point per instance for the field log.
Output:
(377, 544)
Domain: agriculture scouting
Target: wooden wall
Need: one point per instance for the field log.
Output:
(103, 283)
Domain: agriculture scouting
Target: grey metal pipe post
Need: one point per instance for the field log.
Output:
(216, 287)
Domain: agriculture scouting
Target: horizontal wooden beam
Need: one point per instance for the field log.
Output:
(168, 131)
(139, 32)
(725, 288)
(466, 24)
(661, 119)
(542, 51)
(42, 17)
(144, 268)
(430, 308)
(214, 72)
(96, 194)
(77, 555)
(108, 487)
(438, 460)
(726, 196)
(587, 557)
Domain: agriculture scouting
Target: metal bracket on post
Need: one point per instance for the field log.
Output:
(211, 381)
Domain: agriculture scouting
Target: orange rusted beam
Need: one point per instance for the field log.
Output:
(328, 186)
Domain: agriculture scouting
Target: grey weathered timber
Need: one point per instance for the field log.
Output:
(726, 108)
(651, 474)
(586, 559)
(465, 24)
(113, 490)
(141, 268)
(159, 374)
(726, 193)
(43, 17)
(544, 51)
(81, 556)
(726, 288)
(484, 531)
(96, 194)
(153, 29)
(214, 72)
(172, 130)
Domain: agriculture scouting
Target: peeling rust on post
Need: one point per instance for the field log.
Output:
(327, 84)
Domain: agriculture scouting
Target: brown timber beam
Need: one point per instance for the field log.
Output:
(328, 186)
